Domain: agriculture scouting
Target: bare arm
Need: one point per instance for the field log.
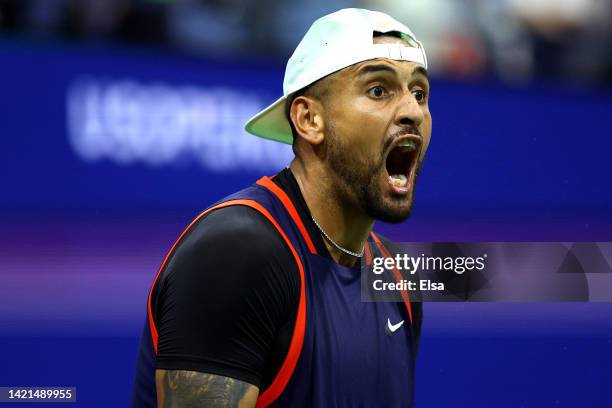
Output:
(182, 388)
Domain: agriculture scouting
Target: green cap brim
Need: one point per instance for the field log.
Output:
(271, 123)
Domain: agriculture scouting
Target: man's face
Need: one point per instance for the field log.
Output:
(378, 127)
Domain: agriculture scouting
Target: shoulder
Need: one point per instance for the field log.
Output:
(239, 227)
(229, 245)
(228, 254)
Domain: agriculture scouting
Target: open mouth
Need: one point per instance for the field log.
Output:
(402, 161)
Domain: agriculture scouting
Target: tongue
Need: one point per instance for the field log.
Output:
(398, 180)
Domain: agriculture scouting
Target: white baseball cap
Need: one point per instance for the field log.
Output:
(333, 42)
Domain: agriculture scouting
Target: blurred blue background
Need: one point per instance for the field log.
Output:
(121, 120)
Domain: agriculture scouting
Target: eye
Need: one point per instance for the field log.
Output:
(377, 92)
(420, 95)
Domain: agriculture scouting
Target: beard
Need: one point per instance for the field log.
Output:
(358, 180)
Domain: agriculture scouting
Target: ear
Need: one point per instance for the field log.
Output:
(307, 116)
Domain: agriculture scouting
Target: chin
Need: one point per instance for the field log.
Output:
(394, 217)
(391, 210)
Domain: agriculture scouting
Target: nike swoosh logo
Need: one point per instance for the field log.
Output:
(391, 328)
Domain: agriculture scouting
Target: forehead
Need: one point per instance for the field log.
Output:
(403, 68)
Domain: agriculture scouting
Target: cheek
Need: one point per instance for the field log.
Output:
(425, 129)
(361, 131)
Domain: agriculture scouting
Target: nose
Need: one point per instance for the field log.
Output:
(409, 111)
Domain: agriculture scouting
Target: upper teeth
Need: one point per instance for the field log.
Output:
(407, 145)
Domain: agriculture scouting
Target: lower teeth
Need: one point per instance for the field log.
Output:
(398, 180)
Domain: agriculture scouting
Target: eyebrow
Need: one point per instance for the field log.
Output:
(420, 70)
(374, 68)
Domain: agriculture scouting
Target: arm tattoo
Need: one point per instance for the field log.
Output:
(181, 388)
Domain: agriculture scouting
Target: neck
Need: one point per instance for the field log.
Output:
(347, 225)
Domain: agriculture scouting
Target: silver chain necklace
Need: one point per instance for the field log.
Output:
(331, 241)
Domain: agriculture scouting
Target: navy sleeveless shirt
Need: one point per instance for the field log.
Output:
(341, 354)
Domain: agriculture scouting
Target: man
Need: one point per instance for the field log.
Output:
(258, 302)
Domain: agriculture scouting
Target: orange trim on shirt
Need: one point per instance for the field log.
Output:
(297, 339)
(367, 253)
(284, 198)
(396, 274)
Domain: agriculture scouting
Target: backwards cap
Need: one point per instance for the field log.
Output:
(333, 42)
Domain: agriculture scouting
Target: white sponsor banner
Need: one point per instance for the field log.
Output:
(127, 121)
